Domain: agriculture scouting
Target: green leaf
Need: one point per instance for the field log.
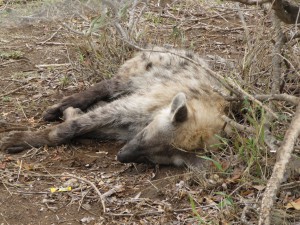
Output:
(216, 163)
(195, 211)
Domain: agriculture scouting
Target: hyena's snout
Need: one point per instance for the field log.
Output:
(131, 153)
(135, 152)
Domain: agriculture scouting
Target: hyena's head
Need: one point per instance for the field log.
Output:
(187, 125)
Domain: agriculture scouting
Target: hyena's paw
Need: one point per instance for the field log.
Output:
(53, 112)
(14, 142)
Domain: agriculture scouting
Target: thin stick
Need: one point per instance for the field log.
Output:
(111, 191)
(252, 98)
(12, 61)
(279, 97)
(251, 2)
(283, 158)
(52, 65)
(88, 182)
(78, 178)
(242, 18)
(57, 43)
(21, 107)
(20, 167)
(268, 97)
(52, 36)
(275, 79)
(13, 91)
(131, 16)
(238, 126)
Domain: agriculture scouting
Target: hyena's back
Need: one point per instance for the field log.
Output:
(161, 67)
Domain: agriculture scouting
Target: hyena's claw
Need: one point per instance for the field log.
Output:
(53, 113)
(13, 142)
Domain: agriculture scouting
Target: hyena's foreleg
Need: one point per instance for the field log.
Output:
(103, 91)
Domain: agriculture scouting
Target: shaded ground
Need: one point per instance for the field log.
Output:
(42, 61)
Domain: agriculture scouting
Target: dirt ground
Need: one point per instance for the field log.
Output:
(25, 197)
(42, 61)
(29, 84)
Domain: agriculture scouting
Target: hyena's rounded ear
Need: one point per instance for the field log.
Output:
(179, 111)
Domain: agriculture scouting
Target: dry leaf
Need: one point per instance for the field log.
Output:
(259, 187)
(294, 204)
(2, 166)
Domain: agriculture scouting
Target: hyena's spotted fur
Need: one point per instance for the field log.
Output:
(158, 103)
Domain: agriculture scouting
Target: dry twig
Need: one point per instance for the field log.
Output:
(78, 178)
(238, 126)
(276, 80)
(15, 90)
(52, 36)
(294, 100)
(112, 191)
(283, 157)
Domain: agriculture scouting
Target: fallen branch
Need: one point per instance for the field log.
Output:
(251, 97)
(275, 80)
(238, 126)
(12, 61)
(279, 97)
(283, 157)
(268, 97)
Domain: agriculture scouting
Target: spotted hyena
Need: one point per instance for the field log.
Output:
(160, 103)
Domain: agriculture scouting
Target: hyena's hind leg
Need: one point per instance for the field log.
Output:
(103, 91)
(17, 141)
(101, 118)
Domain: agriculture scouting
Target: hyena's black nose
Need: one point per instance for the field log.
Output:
(124, 156)
(128, 155)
